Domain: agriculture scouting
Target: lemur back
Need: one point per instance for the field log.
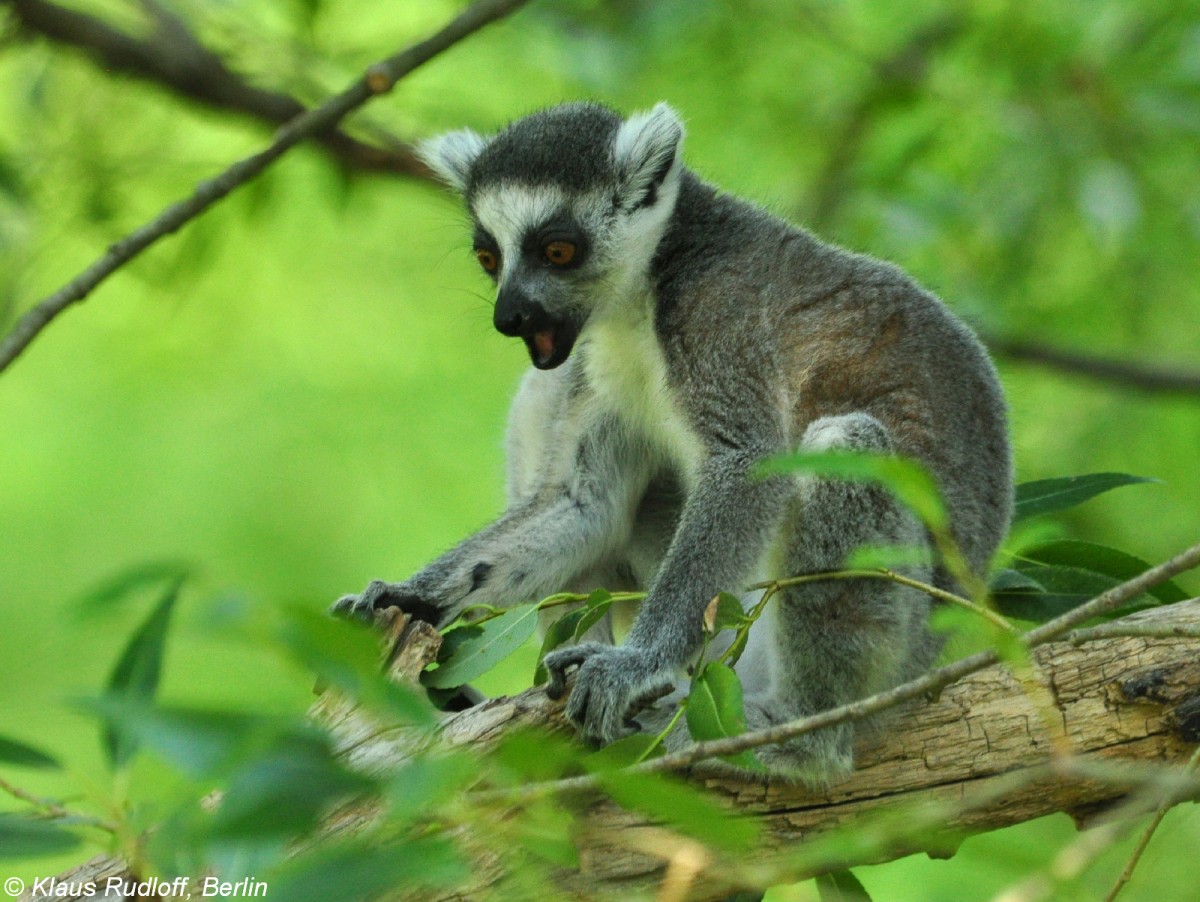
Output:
(678, 336)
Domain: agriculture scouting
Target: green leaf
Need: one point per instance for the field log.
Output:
(345, 655)
(424, 784)
(906, 479)
(728, 614)
(623, 753)
(534, 755)
(132, 580)
(499, 638)
(1009, 580)
(285, 790)
(361, 870)
(682, 806)
(137, 673)
(1065, 574)
(18, 753)
(22, 837)
(200, 742)
(875, 557)
(841, 886)
(1046, 496)
(594, 610)
(561, 631)
(715, 709)
(1101, 559)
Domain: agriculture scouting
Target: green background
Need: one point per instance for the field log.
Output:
(302, 391)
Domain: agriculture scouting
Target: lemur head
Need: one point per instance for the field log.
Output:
(568, 206)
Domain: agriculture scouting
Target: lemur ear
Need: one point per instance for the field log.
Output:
(451, 155)
(646, 149)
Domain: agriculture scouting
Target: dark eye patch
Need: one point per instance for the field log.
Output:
(559, 228)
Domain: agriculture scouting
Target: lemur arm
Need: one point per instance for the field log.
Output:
(726, 523)
(536, 547)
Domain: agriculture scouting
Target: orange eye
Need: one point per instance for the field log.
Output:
(487, 259)
(560, 253)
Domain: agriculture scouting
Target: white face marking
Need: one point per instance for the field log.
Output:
(508, 211)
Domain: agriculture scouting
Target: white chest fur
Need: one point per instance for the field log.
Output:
(627, 373)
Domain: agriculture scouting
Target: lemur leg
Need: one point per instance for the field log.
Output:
(826, 644)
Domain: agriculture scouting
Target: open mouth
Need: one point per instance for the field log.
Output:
(551, 345)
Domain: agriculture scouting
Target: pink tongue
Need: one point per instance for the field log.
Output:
(544, 342)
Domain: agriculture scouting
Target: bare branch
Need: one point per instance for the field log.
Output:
(1130, 375)
(378, 79)
(173, 57)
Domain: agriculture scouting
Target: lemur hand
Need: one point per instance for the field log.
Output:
(613, 684)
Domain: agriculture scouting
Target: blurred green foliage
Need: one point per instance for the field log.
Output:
(302, 390)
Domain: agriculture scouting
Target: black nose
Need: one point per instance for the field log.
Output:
(510, 322)
(517, 314)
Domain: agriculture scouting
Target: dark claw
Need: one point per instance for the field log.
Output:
(379, 595)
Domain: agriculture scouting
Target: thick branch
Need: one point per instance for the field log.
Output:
(981, 756)
(172, 57)
(378, 79)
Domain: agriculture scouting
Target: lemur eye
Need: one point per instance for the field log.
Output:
(489, 260)
(560, 253)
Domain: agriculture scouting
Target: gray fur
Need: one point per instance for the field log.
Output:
(692, 335)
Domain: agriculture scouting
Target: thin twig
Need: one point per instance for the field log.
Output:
(892, 576)
(1133, 631)
(171, 56)
(1144, 840)
(378, 79)
(54, 809)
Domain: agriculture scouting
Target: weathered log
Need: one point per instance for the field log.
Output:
(991, 751)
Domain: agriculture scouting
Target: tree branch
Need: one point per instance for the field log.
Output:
(1130, 375)
(378, 79)
(173, 57)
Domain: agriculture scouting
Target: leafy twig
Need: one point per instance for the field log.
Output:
(377, 79)
(930, 683)
(53, 809)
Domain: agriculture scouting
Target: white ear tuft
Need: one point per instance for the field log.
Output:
(451, 155)
(646, 148)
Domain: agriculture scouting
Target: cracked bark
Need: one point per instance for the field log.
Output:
(981, 754)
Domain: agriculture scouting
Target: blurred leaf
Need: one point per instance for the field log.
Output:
(1108, 198)
(1065, 588)
(285, 790)
(874, 557)
(906, 479)
(348, 656)
(200, 742)
(131, 580)
(137, 673)
(498, 639)
(18, 753)
(1009, 580)
(841, 886)
(424, 784)
(1046, 496)
(561, 631)
(681, 806)
(715, 709)
(537, 755)
(623, 753)
(361, 870)
(22, 837)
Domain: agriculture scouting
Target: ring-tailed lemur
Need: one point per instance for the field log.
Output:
(679, 335)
